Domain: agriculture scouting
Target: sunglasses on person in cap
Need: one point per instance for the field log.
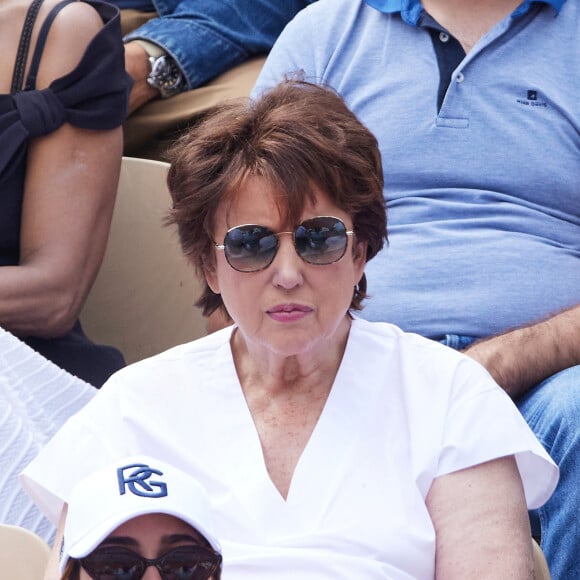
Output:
(319, 241)
(183, 563)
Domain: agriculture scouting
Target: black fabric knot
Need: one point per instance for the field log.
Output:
(41, 112)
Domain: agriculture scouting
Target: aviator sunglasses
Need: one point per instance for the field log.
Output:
(183, 563)
(319, 241)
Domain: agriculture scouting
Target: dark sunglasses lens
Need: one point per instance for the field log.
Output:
(112, 564)
(188, 563)
(250, 248)
(321, 240)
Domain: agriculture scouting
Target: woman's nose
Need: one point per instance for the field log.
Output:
(287, 266)
(151, 573)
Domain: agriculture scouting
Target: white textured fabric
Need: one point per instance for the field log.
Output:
(36, 398)
(402, 411)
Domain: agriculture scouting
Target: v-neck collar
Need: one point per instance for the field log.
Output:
(329, 446)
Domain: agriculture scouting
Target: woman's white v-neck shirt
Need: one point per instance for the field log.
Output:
(403, 410)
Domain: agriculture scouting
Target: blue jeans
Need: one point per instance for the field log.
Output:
(209, 37)
(552, 410)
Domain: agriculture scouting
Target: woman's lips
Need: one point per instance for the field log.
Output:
(288, 312)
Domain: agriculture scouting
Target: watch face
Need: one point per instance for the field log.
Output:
(165, 76)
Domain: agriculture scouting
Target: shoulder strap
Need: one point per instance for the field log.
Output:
(37, 55)
(24, 45)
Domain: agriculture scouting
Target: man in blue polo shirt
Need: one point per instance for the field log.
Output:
(476, 106)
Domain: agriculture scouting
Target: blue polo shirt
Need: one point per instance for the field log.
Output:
(481, 155)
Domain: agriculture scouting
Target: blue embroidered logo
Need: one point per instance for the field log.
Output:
(532, 95)
(136, 478)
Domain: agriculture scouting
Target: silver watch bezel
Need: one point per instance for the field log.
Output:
(165, 76)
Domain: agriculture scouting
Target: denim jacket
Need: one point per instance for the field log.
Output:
(208, 37)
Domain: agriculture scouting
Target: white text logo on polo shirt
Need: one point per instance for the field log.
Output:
(136, 478)
(532, 98)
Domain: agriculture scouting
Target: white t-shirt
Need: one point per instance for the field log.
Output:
(402, 411)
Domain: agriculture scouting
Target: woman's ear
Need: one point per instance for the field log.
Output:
(359, 257)
(210, 275)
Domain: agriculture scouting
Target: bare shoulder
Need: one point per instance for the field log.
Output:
(71, 32)
(12, 15)
(80, 15)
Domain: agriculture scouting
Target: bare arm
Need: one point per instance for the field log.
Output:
(69, 193)
(137, 65)
(522, 358)
(481, 523)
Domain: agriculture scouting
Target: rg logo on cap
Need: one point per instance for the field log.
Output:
(136, 481)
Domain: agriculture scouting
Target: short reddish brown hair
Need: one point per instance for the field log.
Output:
(296, 136)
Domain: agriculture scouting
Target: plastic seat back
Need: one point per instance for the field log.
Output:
(23, 554)
(541, 571)
(142, 300)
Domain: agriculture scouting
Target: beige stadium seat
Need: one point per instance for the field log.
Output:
(23, 554)
(541, 571)
(142, 300)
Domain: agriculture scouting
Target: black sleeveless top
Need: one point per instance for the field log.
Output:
(92, 96)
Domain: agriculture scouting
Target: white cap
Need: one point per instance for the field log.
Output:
(132, 487)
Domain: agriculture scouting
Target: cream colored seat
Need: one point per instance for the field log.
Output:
(23, 554)
(142, 300)
(541, 571)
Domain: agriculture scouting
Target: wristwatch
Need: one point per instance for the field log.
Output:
(165, 76)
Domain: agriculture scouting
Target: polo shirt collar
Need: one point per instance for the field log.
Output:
(411, 9)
